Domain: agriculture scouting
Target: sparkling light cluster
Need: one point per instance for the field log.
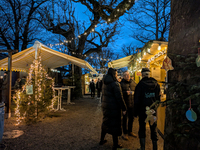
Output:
(92, 29)
(38, 92)
(156, 56)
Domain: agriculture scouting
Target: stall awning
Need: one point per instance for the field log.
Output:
(50, 59)
(154, 49)
(120, 63)
(142, 57)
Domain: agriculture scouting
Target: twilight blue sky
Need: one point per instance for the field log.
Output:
(122, 38)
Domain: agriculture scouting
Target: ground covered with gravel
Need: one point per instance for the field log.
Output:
(77, 128)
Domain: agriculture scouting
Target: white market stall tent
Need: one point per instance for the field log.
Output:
(50, 59)
(120, 63)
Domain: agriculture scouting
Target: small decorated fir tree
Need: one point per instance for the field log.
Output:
(36, 96)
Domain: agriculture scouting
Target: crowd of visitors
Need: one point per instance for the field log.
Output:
(123, 98)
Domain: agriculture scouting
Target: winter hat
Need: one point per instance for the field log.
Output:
(145, 70)
(112, 71)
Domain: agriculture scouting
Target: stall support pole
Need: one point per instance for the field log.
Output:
(8, 103)
(72, 74)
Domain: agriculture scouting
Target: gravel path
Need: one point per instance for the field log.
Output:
(77, 128)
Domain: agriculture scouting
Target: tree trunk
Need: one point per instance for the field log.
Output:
(77, 93)
(184, 36)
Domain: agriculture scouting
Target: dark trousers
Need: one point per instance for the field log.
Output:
(128, 118)
(98, 92)
(92, 93)
(142, 128)
(114, 137)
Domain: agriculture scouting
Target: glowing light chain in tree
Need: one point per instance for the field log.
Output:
(36, 96)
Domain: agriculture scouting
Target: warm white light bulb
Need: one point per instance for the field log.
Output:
(159, 47)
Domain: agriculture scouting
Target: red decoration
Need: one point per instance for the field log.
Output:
(167, 64)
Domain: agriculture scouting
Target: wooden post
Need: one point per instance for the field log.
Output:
(72, 74)
(8, 103)
(8, 93)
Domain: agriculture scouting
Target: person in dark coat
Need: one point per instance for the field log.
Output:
(112, 105)
(92, 88)
(128, 87)
(23, 81)
(147, 92)
(99, 87)
(5, 88)
(17, 84)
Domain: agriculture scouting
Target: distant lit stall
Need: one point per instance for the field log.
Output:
(152, 56)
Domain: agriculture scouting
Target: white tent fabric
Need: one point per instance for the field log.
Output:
(50, 59)
(120, 63)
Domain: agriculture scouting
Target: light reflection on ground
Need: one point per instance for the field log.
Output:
(12, 134)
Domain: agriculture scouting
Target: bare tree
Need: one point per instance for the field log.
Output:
(17, 28)
(64, 23)
(100, 60)
(128, 50)
(150, 20)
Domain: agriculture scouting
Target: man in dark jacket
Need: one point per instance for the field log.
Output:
(112, 105)
(146, 93)
(128, 88)
(99, 87)
(92, 88)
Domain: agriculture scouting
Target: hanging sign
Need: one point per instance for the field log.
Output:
(198, 58)
(190, 114)
(167, 64)
(29, 89)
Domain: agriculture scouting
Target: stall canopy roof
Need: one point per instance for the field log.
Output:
(124, 62)
(120, 63)
(50, 59)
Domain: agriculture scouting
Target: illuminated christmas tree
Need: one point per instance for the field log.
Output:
(36, 96)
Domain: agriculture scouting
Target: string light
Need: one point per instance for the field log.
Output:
(79, 36)
(156, 56)
(159, 47)
(37, 90)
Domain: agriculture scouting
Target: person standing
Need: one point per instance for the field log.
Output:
(99, 87)
(147, 92)
(17, 84)
(92, 88)
(128, 87)
(5, 88)
(23, 81)
(112, 105)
